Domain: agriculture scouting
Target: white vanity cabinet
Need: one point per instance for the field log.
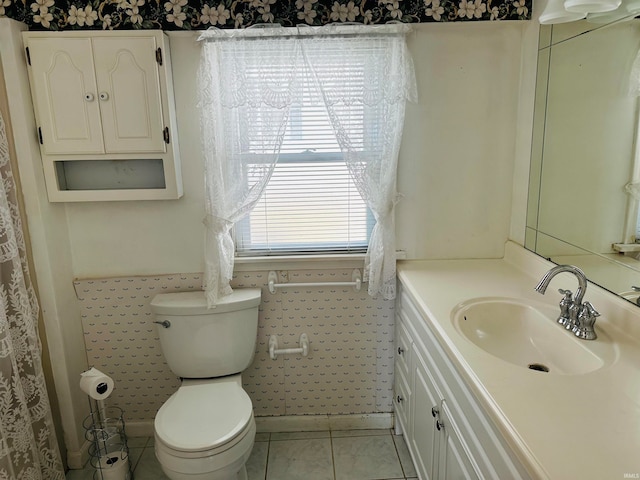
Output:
(446, 431)
(105, 115)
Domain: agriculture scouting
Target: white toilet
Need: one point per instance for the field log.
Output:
(206, 430)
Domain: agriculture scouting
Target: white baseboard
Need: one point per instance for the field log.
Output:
(76, 460)
(285, 423)
(142, 428)
(309, 423)
(294, 423)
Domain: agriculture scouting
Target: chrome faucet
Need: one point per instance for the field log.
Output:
(576, 316)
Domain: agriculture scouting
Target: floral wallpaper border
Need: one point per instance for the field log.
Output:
(201, 14)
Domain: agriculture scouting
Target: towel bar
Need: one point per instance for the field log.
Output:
(356, 282)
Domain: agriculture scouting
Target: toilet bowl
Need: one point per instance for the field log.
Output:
(206, 429)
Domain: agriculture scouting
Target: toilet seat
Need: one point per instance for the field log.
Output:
(204, 416)
(223, 463)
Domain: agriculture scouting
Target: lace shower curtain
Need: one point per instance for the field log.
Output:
(28, 445)
(231, 94)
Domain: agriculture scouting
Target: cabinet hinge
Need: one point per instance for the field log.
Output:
(40, 136)
(165, 135)
(28, 56)
(159, 56)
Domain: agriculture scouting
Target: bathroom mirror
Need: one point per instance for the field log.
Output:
(585, 152)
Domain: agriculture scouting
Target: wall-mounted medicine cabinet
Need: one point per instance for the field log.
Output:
(105, 115)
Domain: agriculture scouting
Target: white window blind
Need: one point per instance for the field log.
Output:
(310, 203)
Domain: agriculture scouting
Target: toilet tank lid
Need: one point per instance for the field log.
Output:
(195, 303)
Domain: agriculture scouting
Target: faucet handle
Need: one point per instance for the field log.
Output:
(566, 293)
(565, 306)
(586, 321)
(590, 312)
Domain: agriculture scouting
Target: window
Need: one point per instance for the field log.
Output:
(270, 101)
(310, 204)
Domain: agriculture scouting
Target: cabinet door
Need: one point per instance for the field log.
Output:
(129, 94)
(424, 436)
(64, 87)
(454, 460)
(402, 403)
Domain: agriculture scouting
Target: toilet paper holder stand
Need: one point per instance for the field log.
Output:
(105, 430)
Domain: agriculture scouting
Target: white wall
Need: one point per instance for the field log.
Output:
(455, 169)
(456, 162)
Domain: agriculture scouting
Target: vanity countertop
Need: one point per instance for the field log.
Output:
(561, 427)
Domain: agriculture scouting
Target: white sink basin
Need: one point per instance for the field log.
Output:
(525, 333)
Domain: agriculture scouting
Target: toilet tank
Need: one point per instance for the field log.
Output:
(199, 342)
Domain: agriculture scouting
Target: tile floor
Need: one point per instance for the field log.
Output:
(335, 455)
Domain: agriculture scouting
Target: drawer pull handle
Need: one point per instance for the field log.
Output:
(399, 399)
(434, 412)
(439, 425)
(400, 350)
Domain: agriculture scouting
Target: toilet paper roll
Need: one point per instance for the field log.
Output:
(114, 466)
(96, 384)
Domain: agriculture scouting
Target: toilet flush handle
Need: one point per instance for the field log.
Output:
(164, 323)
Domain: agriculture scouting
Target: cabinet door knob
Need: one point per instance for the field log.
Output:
(400, 350)
(104, 96)
(439, 425)
(89, 97)
(399, 399)
(434, 412)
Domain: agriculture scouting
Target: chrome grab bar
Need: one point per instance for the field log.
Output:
(356, 282)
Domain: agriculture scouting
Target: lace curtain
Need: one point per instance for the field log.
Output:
(28, 445)
(371, 160)
(235, 88)
(232, 94)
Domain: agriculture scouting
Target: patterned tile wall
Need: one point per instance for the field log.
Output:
(349, 369)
